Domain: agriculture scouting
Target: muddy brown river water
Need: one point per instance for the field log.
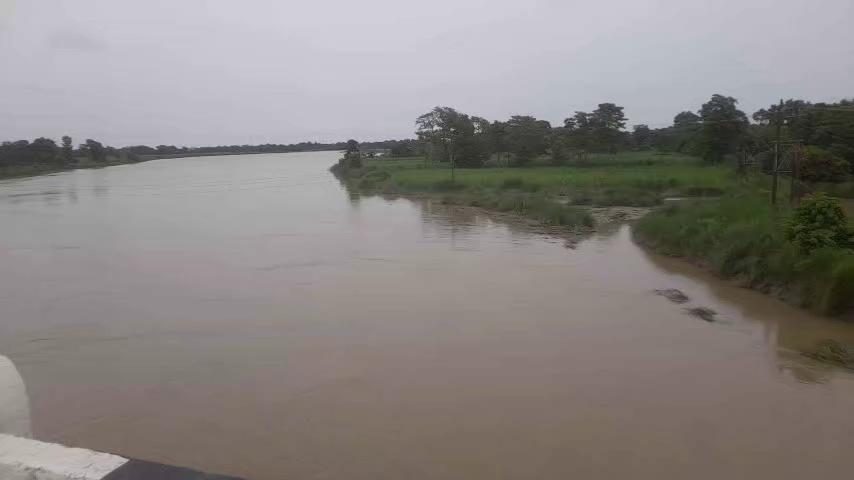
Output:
(245, 315)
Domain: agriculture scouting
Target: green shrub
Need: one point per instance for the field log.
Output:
(839, 295)
(818, 222)
(827, 280)
(819, 165)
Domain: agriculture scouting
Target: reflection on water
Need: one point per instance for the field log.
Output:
(14, 404)
(246, 315)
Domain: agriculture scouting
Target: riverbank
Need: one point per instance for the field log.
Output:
(550, 195)
(719, 220)
(32, 170)
(741, 236)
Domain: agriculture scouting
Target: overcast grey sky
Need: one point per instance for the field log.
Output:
(196, 72)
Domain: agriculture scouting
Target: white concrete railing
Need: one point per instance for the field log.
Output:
(26, 459)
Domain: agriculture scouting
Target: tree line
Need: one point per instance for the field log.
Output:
(717, 132)
(399, 147)
(47, 153)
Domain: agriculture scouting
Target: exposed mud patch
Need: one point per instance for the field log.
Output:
(617, 214)
(673, 294)
(703, 313)
(832, 352)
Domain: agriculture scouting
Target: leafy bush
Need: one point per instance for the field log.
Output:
(818, 222)
(819, 165)
(827, 280)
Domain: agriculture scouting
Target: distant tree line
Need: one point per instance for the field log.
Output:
(46, 152)
(717, 132)
(401, 147)
(721, 131)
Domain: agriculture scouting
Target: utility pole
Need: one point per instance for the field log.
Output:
(796, 159)
(776, 154)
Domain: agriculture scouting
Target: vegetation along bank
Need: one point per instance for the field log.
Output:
(711, 176)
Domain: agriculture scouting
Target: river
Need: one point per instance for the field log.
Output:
(245, 315)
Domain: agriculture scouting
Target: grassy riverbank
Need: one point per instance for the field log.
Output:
(732, 229)
(629, 179)
(31, 170)
(549, 194)
(742, 236)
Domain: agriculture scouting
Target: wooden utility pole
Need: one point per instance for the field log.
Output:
(776, 155)
(796, 160)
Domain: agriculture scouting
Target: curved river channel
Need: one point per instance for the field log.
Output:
(245, 315)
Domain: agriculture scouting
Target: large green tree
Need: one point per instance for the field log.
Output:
(723, 127)
(641, 136)
(498, 140)
(608, 121)
(67, 150)
(453, 136)
(44, 150)
(527, 137)
(600, 130)
(95, 150)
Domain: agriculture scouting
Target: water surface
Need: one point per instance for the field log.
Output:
(245, 315)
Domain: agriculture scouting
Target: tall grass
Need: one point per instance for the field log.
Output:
(629, 178)
(537, 207)
(742, 236)
(660, 180)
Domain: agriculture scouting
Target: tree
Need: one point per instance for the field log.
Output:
(453, 134)
(682, 136)
(559, 146)
(43, 150)
(608, 121)
(723, 127)
(600, 130)
(168, 150)
(402, 149)
(94, 150)
(498, 139)
(67, 151)
(685, 119)
(527, 137)
(579, 130)
(641, 136)
(819, 165)
(829, 126)
(352, 146)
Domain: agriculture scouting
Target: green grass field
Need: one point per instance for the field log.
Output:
(631, 178)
